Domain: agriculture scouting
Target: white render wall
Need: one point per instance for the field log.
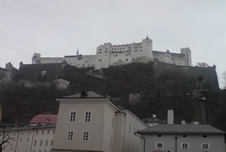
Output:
(216, 142)
(110, 129)
(44, 140)
(95, 127)
(22, 140)
(113, 55)
(132, 125)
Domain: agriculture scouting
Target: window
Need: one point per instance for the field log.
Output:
(21, 140)
(159, 135)
(51, 142)
(35, 142)
(204, 136)
(129, 127)
(88, 117)
(28, 139)
(205, 146)
(184, 145)
(11, 148)
(13, 138)
(43, 132)
(36, 132)
(112, 123)
(86, 136)
(48, 131)
(25, 150)
(72, 116)
(70, 135)
(159, 145)
(46, 142)
(184, 136)
(53, 131)
(40, 143)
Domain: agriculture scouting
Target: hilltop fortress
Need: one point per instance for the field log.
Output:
(113, 55)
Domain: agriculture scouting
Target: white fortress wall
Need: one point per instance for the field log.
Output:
(170, 58)
(120, 54)
(102, 56)
(187, 52)
(113, 55)
(81, 61)
(51, 60)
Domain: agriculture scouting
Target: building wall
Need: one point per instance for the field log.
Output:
(109, 124)
(216, 143)
(95, 127)
(42, 140)
(132, 125)
(29, 139)
(113, 55)
(119, 132)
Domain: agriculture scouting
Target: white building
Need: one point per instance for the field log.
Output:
(89, 122)
(113, 55)
(29, 138)
(183, 138)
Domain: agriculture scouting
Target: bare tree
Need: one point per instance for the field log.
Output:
(202, 64)
(5, 138)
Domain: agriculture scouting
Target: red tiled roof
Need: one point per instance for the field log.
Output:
(44, 118)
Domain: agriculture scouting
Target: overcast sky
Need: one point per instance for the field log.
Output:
(56, 28)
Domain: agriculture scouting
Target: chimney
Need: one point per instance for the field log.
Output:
(170, 117)
(183, 122)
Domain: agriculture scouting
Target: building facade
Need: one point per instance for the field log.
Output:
(89, 122)
(112, 55)
(29, 138)
(183, 138)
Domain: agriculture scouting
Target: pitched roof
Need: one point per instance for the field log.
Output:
(44, 118)
(30, 127)
(180, 128)
(89, 94)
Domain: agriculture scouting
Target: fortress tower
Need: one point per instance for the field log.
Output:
(36, 59)
(187, 52)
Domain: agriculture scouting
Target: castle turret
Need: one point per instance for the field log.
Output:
(102, 56)
(147, 47)
(187, 52)
(36, 58)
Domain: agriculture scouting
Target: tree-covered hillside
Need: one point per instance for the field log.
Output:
(170, 89)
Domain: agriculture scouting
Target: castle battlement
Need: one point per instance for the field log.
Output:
(113, 55)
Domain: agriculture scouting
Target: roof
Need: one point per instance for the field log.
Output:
(180, 128)
(44, 118)
(83, 94)
(29, 127)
